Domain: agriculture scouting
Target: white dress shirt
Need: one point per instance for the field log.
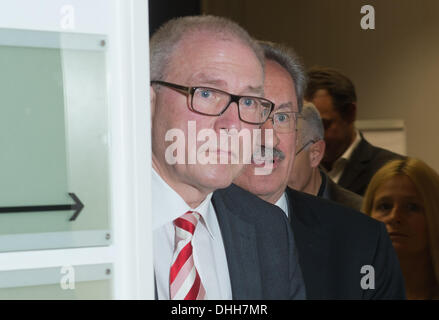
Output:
(283, 203)
(208, 248)
(340, 163)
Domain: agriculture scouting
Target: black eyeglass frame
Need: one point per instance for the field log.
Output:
(233, 98)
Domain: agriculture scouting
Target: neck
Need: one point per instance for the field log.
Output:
(419, 278)
(191, 195)
(274, 197)
(314, 183)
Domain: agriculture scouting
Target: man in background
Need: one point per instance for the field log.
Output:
(349, 159)
(306, 175)
(335, 243)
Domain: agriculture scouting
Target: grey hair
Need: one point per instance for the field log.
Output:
(310, 124)
(166, 39)
(289, 60)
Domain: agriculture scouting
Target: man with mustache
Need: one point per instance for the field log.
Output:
(208, 71)
(343, 254)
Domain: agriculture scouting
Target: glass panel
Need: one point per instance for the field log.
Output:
(53, 134)
(83, 291)
(78, 282)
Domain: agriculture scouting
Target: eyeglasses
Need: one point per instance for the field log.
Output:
(305, 145)
(213, 102)
(285, 121)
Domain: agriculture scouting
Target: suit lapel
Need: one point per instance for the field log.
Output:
(239, 238)
(331, 190)
(358, 162)
(312, 242)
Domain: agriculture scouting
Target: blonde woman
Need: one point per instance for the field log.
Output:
(404, 194)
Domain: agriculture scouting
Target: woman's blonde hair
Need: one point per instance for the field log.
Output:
(426, 182)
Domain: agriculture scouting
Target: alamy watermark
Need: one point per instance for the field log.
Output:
(67, 17)
(368, 20)
(228, 146)
(67, 281)
(368, 280)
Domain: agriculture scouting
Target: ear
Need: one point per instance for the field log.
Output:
(152, 100)
(316, 153)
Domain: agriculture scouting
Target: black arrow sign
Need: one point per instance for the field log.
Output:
(61, 207)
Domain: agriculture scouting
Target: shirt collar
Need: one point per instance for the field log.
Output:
(283, 204)
(348, 153)
(168, 205)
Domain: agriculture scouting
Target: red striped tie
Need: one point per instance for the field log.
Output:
(185, 282)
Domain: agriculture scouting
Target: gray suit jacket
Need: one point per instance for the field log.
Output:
(366, 159)
(260, 248)
(332, 191)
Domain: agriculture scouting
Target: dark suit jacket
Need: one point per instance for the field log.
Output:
(260, 248)
(366, 159)
(334, 243)
(332, 191)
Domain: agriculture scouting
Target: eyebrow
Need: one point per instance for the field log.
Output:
(385, 198)
(209, 81)
(390, 198)
(256, 90)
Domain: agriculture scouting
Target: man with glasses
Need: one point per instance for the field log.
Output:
(343, 254)
(306, 175)
(207, 75)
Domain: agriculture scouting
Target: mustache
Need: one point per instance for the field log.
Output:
(264, 152)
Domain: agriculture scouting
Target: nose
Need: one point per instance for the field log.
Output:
(395, 216)
(268, 132)
(229, 119)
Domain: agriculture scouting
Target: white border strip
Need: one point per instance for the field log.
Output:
(54, 40)
(55, 258)
(54, 275)
(54, 240)
(130, 151)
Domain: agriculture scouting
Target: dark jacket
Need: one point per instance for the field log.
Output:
(259, 245)
(335, 243)
(332, 191)
(365, 161)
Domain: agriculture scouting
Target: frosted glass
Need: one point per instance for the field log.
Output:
(53, 132)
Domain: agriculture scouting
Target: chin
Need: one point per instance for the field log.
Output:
(217, 176)
(400, 248)
(260, 185)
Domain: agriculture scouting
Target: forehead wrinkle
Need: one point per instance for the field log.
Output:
(210, 71)
(204, 79)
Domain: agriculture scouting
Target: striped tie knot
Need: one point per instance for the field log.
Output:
(184, 280)
(187, 222)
